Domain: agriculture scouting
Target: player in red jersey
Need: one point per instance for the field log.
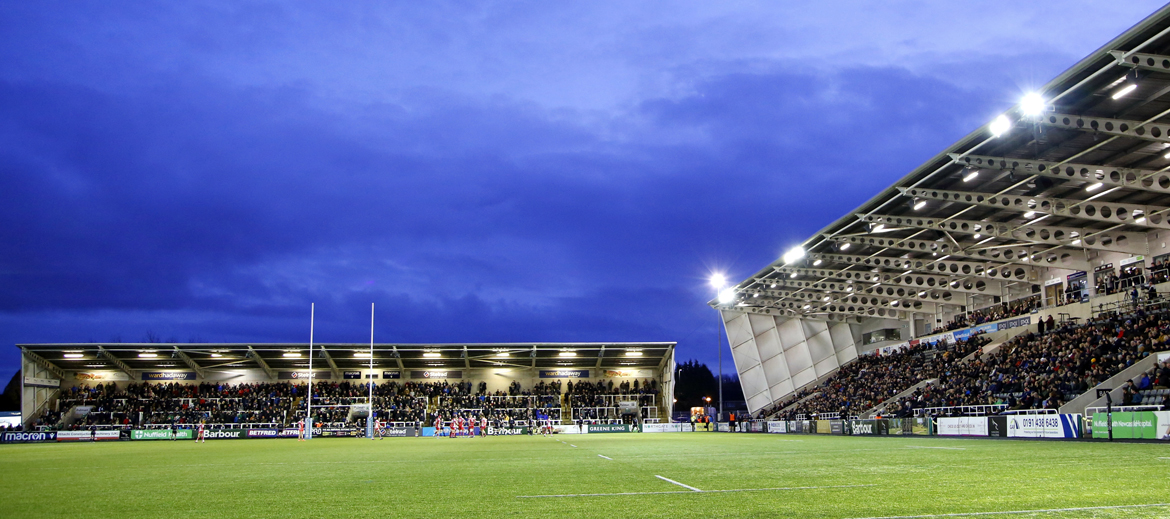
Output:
(483, 426)
(199, 436)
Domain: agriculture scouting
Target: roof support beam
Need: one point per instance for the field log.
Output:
(1155, 62)
(1120, 127)
(332, 365)
(466, 360)
(1140, 179)
(600, 356)
(263, 365)
(117, 362)
(398, 359)
(44, 363)
(1055, 257)
(918, 300)
(915, 281)
(191, 363)
(1112, 212)
(930, 266)
(1050, 235)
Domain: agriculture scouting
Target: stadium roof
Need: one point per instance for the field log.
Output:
(131, 358)
(1078, 168)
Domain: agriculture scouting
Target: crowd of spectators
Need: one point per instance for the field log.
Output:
(1045, 371)
(872, 379)
(994, 313)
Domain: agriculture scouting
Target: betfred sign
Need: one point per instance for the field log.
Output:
(399, 432)
(28, 437)
(506, 431)
(289, 433)
(263, 433)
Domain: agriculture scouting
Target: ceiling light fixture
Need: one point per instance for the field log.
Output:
(291, 354)
(147, 355)
(73, 355)
(567, 354)
(970, 176)
(1124, 91)
(1033, 104)
(432, 354)
(1094, 187)
(919, 203)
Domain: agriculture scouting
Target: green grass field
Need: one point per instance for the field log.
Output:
(760, 475)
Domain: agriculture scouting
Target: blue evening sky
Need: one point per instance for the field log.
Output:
(482, 171)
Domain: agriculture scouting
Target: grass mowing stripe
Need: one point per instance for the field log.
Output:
(1040, 511)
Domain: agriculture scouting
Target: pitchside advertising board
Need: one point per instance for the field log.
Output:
(28, 437)
(81, 436)
(607, 428)
(506, 431)
(162, 434)
(666, 427)
(1148, 425)
(1013, 426)
(778, 427)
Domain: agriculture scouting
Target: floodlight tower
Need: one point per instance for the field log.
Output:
(719, 281)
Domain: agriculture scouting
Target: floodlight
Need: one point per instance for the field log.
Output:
(1000, 125)
(727, 295)
(817, 263)
(971, 176)
(361, 354)
(567, 354)
(845, 246)
(432, 354)
(1124, 91)
(919, 203)
(1032, 105)
(634, 353)
(73, 355)
(1029, 214)
(1094, 187)
(148, 355)
(793, 254)
(718, 280)
(290, 354)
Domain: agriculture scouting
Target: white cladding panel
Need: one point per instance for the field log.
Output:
(746, 356)
(825, 367)
(776, 369)
(820, 346)
(791, 333)
(804, 377)
(842, 337)
(759, 401)
(768, 344)
(753, 381)
(760, 323)
(798, 358)
(784, 389)
(813, 327)
(738, 331)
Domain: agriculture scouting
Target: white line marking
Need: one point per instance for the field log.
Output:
(668, 480)
(694, 492)
(947, 448)
(1164, 458)
(606, 457)
(1041, 511)
(573, 446)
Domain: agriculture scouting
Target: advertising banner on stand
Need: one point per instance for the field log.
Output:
(161, 434)
(869, 427)
(963, 426)
(778, 427)
(823, 427)
(263, 433)
(836, 427)
(1044, 426)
